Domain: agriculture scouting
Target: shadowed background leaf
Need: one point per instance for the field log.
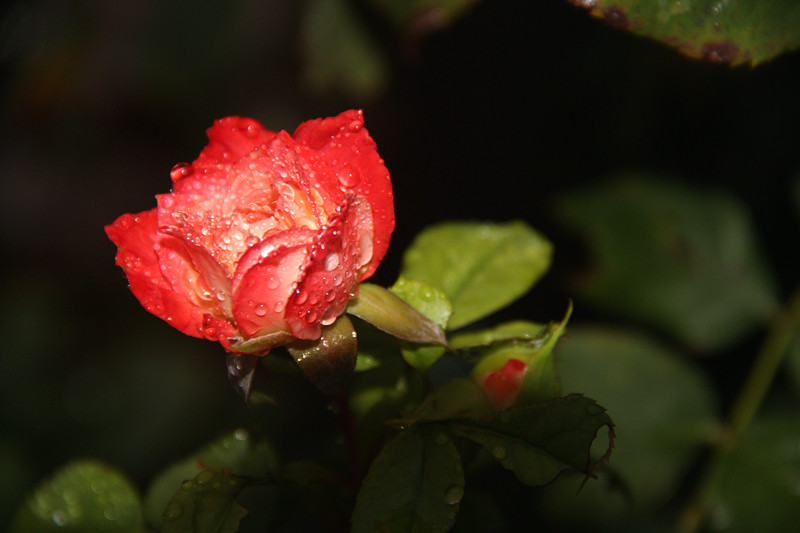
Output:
(721, 31)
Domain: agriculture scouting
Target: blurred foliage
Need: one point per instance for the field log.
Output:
(668, 255)
(494, 111)
(722, 31)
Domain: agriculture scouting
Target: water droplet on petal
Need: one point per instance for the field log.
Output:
(260, 310)
(302, 296)
(273, 282)
(354, 125)
(453, 495)
(180, 171)
(349, 176)
(331, 261)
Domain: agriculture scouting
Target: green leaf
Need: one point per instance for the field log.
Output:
(755, 487)
(84, 496)
(414, 485)
(481, 267)
(722, 31)
(393, 315)
(433, 304)
(238, 453)
(457, 398)
(663, 409)
(205, 504)
(340, 54)
(517, 329)
(538, 442)
(681, 259)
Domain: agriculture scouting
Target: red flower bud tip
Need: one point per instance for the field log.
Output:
(502, 386)
(265, 236)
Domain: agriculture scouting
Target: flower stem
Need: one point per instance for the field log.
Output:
(347, 425)
(783, 329)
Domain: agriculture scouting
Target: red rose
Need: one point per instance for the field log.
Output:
(265, 235)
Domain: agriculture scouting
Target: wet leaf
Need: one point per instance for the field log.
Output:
(238, 453)
(82, 496)
(721, 31)
(517, 329)
(538, 442)
(663, 409)
(683, 260)
(480, 267)
(433, 304)
(457, 398)
(340, 54)
(414, 485)
(205, 504)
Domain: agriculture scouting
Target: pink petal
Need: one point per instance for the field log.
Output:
(331, 274)
(346, 145)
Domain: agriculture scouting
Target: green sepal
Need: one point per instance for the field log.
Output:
(329, 361)
(391, 314)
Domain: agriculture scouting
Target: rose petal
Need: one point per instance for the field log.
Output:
(265, 279)
(502, 386)
(230, 139)
(358, 170)
(331, 274)
(136, 238)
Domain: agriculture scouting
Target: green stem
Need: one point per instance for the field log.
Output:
(781, 333)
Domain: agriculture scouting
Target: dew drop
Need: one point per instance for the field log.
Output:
(311, 317)
(500, 452)
(59, 518)
(354, 125)
(174, 510)
(252, 240)
(330, 296)
(204, 477)
(349, 176)
(241, 434)
(331, 261)
(180, 171)
(260, 310)
(273, 282)
(187, 485)
(279, 307)
(302, 296)
(110, 513)
(453, 495)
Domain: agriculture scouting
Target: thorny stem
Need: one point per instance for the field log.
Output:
(782, 331)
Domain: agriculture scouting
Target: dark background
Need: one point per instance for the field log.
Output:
(487, 119)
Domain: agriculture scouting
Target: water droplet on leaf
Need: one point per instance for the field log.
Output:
(500, 452)
(174, 510)
(453, 495)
